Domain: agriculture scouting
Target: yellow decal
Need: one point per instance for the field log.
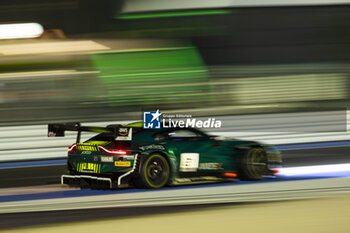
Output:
(101, 143)
(89, 167)
(86, 144)
(122, 164)
(87, 147)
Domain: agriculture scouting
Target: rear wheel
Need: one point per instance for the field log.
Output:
(253, 164)
(154, 172)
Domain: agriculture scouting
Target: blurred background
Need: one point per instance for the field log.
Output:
(107, 60)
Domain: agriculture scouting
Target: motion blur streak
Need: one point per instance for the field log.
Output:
(51, 47)
(174, 14)
(27, 74)
(19, 31)
(321, 170)
(156, 5)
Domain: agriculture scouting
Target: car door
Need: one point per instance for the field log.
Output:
(197, 152)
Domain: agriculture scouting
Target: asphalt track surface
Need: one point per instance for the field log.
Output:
(101, 205)
(69, 216)
(312, 216)
(43, 175)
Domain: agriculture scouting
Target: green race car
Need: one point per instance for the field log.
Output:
(153, 158)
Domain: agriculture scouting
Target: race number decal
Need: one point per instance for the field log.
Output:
(189, 162)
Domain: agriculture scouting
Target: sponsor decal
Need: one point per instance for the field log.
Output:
(86, 152)
(189, 162)
(128, 157)
(210, 166)
(152, 120)
(123, 131)
(107, 159)
(124, 134)
(122, 163)
(89, 167)
(152, 147)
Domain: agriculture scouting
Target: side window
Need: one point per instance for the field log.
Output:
(183, 133)
(160, 137)
(179, 134)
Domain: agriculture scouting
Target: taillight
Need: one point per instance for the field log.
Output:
(70, 149)
(115, 152)
(230, 174)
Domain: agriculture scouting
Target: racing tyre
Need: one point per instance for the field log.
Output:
(154, 172)
(253, 164)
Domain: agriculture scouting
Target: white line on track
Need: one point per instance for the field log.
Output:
(35, 189)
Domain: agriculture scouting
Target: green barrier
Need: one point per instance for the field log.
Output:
(158, 76)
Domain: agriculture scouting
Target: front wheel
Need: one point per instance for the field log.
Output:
(253, 164)
(154, 172)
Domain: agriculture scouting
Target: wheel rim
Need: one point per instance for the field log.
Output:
(157, 171)
(257, 162)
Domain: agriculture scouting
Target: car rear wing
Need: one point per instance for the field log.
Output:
(120, 132)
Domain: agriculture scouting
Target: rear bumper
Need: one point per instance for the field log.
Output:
(91, 181)
(85, 181)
